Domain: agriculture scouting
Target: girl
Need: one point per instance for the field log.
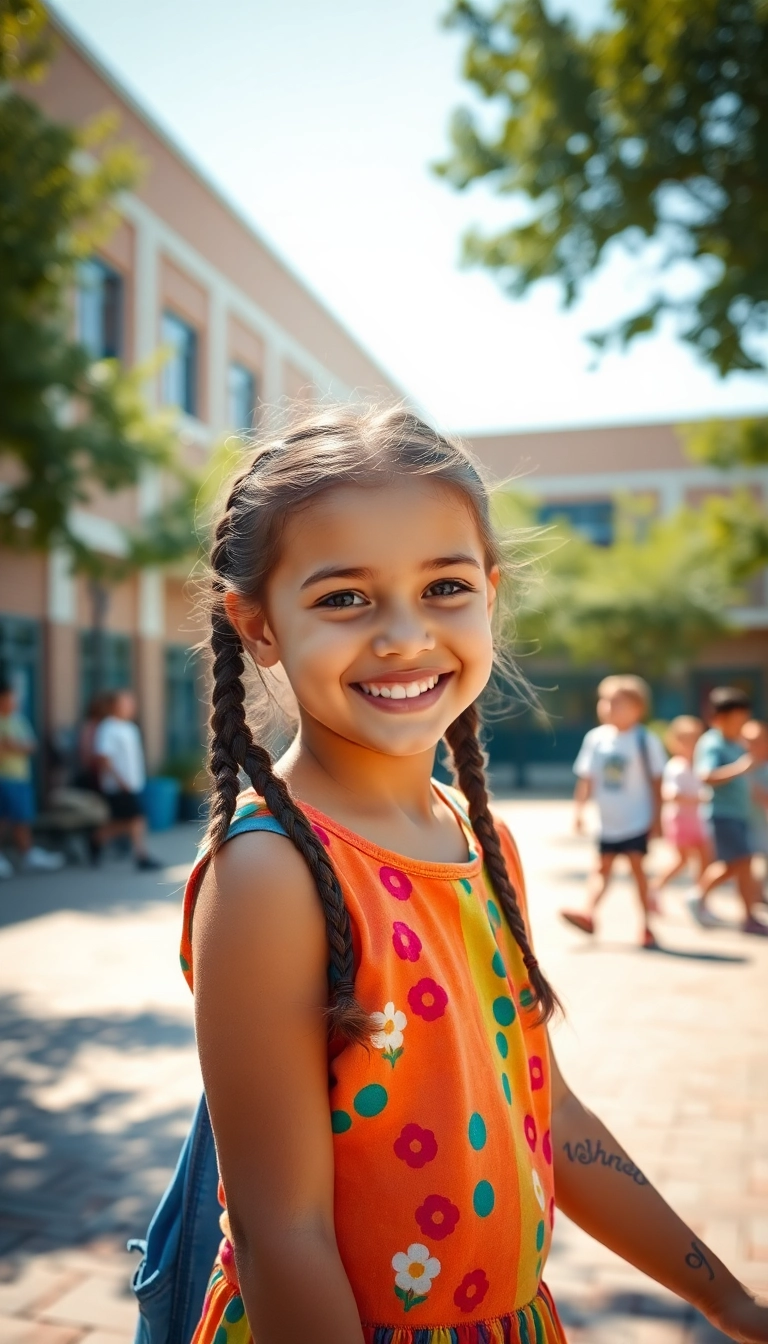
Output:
(682, 794)
(371, 1017)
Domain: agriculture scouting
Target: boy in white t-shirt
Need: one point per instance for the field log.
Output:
(619, 766)
(119, 760)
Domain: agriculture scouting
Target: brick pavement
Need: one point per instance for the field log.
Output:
(99, 1076)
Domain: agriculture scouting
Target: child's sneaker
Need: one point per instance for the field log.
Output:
(42, 860)
(701, 914)
(579, 921)
(6, 867)
(753, 925)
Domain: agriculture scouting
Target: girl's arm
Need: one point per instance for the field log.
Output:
(599, 1188)
(581, 795)
(260, 959)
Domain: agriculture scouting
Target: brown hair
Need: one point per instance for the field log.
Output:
(626, 683)
(684, 723)
(336, 446)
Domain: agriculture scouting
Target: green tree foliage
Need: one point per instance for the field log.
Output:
(68, 426)
(646, 604)
(653, 127)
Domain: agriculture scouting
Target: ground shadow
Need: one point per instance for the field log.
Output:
(604, 945)
(84, 1170)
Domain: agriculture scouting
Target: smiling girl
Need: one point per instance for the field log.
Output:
(392, 1129)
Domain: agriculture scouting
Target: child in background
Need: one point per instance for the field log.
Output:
(754, 735)
(17, 796)
(620, 765)
(682, 795)
(118, 757)
(389, 1121)
(721, 761)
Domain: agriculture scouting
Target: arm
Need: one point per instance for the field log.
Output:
(656, 796)
(104, 765)
(260, 956)
(581, 795)
(722, 773)
(600, 1189)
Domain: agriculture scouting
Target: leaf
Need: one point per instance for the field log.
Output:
(392, 1056)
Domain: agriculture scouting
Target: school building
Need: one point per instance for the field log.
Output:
(182, 271)
(581, 476)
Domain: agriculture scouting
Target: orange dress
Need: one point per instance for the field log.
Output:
(444, 1191)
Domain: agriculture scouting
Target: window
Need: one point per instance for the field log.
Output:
(184, 701)
(179, 376)
(241, 391)
(591, 518)
(100, 309)
(106, 663)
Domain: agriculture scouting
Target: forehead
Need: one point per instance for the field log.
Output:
(394, 525)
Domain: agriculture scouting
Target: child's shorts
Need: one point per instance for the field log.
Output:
(731, 836)
(684, 830)
(634, 844)
(17, 801)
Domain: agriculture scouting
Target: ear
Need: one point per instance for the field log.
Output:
(253, 628)
(493, 578)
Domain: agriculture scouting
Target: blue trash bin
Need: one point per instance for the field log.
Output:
(161, 802)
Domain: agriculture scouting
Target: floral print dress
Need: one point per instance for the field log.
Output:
(444, 1191)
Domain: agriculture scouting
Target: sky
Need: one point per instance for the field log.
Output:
(320, 121)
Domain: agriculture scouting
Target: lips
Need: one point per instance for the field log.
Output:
(409, 691)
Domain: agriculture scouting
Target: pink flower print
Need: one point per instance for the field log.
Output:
(406, 943)
(415, 1146)
(471, 1290)
(529, 1125)
(437, 1217)
(428, 999)
(546, 1148)
(397, 884)
(322, 835)
(536, 1071)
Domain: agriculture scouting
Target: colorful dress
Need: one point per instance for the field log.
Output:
(444, 1191)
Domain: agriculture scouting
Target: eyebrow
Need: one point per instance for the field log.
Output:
(360, 572)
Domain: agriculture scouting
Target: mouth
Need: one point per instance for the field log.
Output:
(404, 694)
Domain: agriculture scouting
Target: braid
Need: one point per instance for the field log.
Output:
(469, 765)
(232, 747)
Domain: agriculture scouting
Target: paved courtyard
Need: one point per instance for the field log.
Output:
(99, 1077)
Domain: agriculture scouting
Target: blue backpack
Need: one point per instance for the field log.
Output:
(184, 1235)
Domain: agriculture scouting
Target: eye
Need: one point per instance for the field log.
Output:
(338, 601)
(447, 588)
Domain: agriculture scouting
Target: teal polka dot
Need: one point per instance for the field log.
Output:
(507, 1088)
(493, 914)
(477, 1132)
(235, 1310)
(539, 1236)
(184, 964)
(502, 1044)
(221, 1335)
(465, 884)
(371, 1100)
(526, 996)
(483, 1199)
(340, 1122)
(538, 1267)
(498, 965)
(504, 1011)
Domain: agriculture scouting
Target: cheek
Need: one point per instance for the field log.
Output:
(318, 654)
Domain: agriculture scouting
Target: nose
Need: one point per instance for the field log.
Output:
(403, 633)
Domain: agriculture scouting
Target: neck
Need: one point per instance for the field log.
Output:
(336, 775)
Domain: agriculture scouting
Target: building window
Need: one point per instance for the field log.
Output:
(106, 663)
(241, 392)
(591, 518)
(184, 701)
(100, 309)
(179, 375)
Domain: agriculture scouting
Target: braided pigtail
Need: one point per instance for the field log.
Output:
(469, 766)
(231, 748)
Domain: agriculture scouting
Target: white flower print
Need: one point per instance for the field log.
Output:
(538, 1189)
(389, 1034)
(414, 1271)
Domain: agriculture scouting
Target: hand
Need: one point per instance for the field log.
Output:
(743, 1318)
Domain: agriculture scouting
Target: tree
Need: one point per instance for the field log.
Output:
(647, 604)
(653, 129)
(68, 426)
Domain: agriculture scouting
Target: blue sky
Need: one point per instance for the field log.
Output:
(319, 121)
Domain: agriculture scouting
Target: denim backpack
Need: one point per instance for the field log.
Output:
(184, 1235)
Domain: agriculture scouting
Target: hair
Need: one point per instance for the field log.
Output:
(625, 683)
(725, 698)
(684, 723)
(331, 447)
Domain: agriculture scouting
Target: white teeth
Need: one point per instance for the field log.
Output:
(399, 690)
